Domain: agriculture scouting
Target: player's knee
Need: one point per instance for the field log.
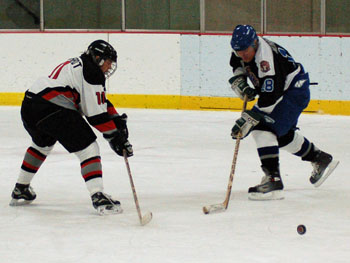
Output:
(44, 150)
(291, 142)
(91, 151)
(264, 138)
(286, 139)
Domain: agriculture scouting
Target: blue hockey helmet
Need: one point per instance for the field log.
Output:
(243, 36)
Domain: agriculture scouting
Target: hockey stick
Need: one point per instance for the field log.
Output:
(223, 206)
(148, 216)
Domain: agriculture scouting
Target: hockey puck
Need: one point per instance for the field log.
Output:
(301, 229)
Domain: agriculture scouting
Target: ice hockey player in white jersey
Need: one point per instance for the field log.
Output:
(283, 89)
(53, 110)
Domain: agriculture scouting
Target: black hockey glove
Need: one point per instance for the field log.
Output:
(240, 86)
(120, 123)
(119, 142)
(247, 122)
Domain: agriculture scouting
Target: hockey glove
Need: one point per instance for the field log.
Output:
(120, 123)
(240, 86)
(119, 142)
(247, 122)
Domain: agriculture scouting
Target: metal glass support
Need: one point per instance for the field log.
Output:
(323, 17)
(263, 26)
(202, 15)
(123, 15)
(41, 15)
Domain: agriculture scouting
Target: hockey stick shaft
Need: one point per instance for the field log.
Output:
(232, 174)
(223, 206)
(234, 162)
(132, 186)
(148, 216)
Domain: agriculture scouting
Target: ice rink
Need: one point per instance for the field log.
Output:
(182, 162)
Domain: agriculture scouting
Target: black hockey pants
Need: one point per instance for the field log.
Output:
(47, 123)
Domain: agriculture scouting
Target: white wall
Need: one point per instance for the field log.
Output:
(24, 57)
(147, 63)
(169, 64)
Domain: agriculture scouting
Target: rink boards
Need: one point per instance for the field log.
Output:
(192, 103)
(172, 70)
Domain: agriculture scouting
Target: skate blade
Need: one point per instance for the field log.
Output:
(331, 167)
(274, 195)
(146, 218)
(20, 202)
(108, 210)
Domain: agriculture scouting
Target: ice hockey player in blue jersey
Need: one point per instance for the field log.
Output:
(282, 87)
(53, 110)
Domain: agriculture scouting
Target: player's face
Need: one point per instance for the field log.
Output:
(247, 55)
(106, 65)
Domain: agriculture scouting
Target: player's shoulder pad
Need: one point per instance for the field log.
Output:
(264, 58)
(92, 73)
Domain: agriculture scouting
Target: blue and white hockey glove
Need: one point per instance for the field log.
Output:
(240, 86)
(247, 122)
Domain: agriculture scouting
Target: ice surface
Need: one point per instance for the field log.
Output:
(182, 162)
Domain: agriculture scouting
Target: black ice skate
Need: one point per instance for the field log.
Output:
(22, 194)
(104, 204)
(270, 188)
(323, 165)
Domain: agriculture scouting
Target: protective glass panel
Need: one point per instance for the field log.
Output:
(337, 16)
(19, 14)
(293, 16)
(162, 14)
(82, 14)
(224, 15)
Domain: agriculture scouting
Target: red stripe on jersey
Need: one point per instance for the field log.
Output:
(54, 93)
(107, 126)
(97, 160)
(30, 166)
(111, 110)
(36, 155)
(55, 70)
(58, 68)
(98, 172)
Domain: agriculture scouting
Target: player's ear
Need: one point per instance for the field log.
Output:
(256, 44)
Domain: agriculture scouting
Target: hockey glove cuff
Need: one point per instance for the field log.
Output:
(120, 122)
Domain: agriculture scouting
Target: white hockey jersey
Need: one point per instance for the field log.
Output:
(79, 84)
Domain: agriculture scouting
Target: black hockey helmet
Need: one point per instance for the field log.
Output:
(100, 50)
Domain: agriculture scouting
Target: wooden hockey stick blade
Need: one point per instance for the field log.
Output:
(146, 218)
(217, 208)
